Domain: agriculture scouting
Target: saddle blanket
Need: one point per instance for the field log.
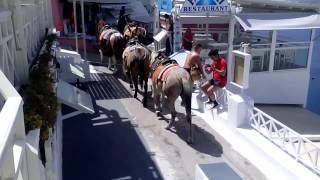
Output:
(162, 72)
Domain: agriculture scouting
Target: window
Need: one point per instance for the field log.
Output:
(291, 58)
(292, 49)
(287, 36)
(260, 45)
(260, 60)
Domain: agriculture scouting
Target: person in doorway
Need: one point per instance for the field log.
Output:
(123, 19)
(193, 62)
(169, 28)
(219, 80)
(187, 39)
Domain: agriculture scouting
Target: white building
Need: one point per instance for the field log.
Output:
(284, 40)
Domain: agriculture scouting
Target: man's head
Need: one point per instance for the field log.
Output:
(197, 48)
(214, 54)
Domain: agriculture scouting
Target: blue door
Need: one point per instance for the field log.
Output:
(313, 103)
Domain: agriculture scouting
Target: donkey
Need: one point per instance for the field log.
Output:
(134, 31)
(136, 66)
(112, 44)
(171, 81)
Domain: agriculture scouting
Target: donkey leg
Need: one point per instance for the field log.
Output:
(101, 55)
(109, 62)
(173, 114)
(135, 83)
(130, 79)
(114, 63)
(156, 99)
(189, 126)
(145, 94)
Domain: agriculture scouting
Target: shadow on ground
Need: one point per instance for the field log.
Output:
(105, 145)
(202, 136)
(107, 87)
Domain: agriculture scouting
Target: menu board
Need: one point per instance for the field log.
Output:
(238, 70)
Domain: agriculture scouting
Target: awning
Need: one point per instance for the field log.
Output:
(278, 21)
(101, 1)
(143, 19)
(162, 34)
(140, 13)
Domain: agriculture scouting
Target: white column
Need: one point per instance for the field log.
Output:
(238, 110)
(75, 24)
(230, 42)
(272, 50)
(83, 31)
(207, 24)
(313, 36)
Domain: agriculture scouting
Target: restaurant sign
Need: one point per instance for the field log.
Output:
(205, 7)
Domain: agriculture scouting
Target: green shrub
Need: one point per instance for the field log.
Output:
(33, 121)
(41, 104)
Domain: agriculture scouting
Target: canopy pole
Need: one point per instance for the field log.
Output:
(75, 24)
(83, 31)
(207, 24)
(230, 42)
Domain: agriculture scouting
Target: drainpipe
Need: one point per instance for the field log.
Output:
(75, 24)
(232, 23)
(83, 31)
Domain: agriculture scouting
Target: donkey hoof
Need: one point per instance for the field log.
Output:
(190, 140)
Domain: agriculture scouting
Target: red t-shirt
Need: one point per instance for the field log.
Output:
(220, 65)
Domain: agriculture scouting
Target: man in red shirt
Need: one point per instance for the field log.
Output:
(219, 69)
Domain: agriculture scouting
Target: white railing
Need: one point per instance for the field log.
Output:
(299, 147)
(33, 27)
(12, 133)
(22, 26)
(7, 46)
(21, 29)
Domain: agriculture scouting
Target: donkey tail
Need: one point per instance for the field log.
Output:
(186, 95)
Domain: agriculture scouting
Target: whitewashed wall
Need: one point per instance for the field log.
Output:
(279, 87)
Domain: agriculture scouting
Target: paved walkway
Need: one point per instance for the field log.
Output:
(123, 140)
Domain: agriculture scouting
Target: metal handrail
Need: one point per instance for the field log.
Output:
(299, 147)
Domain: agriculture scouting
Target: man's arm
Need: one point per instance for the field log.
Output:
(199, 64)
(222, 71)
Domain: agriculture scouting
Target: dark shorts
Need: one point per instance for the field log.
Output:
(214, 82)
